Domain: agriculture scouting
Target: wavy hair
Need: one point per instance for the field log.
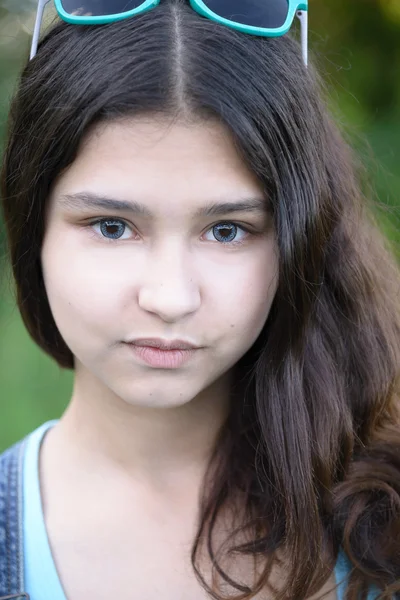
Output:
(311, 447)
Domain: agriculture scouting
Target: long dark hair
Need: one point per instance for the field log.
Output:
(312, 444)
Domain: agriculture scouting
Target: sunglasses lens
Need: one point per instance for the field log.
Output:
(270, 14)
(99, 8)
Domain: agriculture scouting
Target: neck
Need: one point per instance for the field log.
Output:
(161, 447)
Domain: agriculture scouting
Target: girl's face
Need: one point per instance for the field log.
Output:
(138, 244)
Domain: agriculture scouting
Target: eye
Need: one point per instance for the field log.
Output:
(226, 233)
(112, 229)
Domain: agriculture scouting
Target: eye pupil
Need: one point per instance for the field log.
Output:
(117, 229)
(228, 231)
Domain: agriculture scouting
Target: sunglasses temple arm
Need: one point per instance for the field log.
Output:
(302, 15)
(38, 23)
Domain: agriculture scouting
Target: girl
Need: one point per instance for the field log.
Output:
(188, 234)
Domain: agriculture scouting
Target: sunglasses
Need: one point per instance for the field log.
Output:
(255, 17)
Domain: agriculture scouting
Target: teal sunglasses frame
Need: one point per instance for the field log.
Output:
(297, 8)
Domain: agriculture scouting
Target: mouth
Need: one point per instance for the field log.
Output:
(162, 344)
(162, 358)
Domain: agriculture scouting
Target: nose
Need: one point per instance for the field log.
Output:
(168, 288)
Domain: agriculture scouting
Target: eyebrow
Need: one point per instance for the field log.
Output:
(91, 200)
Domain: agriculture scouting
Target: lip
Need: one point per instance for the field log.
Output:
(162, 359)
(163, 344)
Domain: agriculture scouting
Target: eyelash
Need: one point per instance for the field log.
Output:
(118, 220)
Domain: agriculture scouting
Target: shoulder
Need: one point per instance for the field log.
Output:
(10, 453)
(10, 515)
(10, 463)
(12, 459)
(13, 456)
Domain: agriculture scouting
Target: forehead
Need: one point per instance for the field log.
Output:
(156, 159)
(161, 139)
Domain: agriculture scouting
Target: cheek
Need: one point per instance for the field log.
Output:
(243, 295)
(81, 295)
(253, 302)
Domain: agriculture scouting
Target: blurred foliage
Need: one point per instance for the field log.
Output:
(356, 47)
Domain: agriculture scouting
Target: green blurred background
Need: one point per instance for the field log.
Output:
(356, 46)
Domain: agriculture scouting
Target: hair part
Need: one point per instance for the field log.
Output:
(310, 452)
